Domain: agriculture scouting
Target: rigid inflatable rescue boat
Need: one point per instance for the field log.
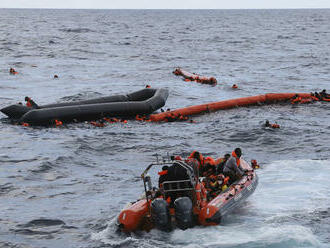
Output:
(140, 102)
(182, 199)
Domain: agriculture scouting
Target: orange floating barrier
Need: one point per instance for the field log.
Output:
(195, 77)
(227, 104)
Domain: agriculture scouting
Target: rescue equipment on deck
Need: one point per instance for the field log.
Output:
(195, 77)
(183, 199)
(142, 102)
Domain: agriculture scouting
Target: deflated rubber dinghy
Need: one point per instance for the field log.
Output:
(182, 201)
(140, 102)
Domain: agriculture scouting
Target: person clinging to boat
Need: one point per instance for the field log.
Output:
(30, 103)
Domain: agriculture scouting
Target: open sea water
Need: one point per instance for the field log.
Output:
(64, 187)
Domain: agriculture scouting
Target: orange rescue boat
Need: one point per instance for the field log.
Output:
(181, 202)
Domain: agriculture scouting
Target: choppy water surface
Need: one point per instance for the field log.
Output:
(63, 187)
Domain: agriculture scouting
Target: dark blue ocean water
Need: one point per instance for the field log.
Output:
(64, 187)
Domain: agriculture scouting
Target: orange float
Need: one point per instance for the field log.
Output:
(227, 104)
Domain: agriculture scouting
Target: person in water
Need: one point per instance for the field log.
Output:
(30, 103)
(275, 125)
(324, 94)
(12, 71)
(232, 168)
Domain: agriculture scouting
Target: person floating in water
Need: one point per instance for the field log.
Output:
(255, 164)
(12, 71)
(274, 125)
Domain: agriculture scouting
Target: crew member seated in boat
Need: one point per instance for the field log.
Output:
(232, 167)
(220, 163)
(30, 103)
(209, 167)
(213, 187)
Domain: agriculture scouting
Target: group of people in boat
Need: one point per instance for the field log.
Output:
(216, 174)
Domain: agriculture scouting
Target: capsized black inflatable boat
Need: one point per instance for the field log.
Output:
(140, 102)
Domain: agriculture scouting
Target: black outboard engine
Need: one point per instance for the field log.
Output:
(160, 214)
(183, 212)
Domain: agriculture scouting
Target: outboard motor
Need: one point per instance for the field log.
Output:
(160, 214)
(183, 212)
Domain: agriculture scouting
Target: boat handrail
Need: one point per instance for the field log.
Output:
(176, 185)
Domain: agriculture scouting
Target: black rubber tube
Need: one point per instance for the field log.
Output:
(152, 99)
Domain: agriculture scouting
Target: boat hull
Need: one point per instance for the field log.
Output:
(141, 102)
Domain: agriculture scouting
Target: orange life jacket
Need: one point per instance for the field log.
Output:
(200, 159)
(238, 161)
(296, 100)
(275, 125)
(58, 123)
(209, 160)
(164, 172)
